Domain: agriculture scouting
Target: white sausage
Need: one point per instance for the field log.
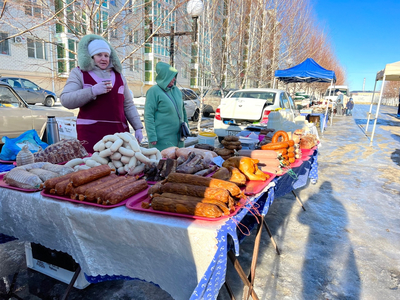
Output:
(147, 151)
(83, 167)
(109, 144)
(116, 156)
(137, 170)
(101, 160)
(125, 159)
(117, 164)
(74, 162)
(126, 152)
(110, 137)
(121, 171)
(118, 143)
(142, 158)
(99, 146)
(132, 162)
(105, 153)
(134, 145)
(153, 157)
(92, 163)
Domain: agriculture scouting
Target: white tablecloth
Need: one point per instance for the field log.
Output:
(171, 252)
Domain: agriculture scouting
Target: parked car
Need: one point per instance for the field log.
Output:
(212, 100)
(247, 107)
(16, 116)
(30, 92)
(192, 104)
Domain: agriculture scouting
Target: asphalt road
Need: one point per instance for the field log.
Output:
(344, 246)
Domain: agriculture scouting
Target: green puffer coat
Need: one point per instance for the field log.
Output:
(160, 117)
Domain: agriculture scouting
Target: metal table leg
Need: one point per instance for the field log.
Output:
(72, 282)
(299, 200)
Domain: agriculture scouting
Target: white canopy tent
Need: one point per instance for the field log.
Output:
(390, 73)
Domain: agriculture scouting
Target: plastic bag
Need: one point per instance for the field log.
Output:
(12, 147)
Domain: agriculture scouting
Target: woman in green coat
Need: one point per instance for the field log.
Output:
(160, 111)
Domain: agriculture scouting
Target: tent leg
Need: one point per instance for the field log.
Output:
(370, 108)
(377, 109)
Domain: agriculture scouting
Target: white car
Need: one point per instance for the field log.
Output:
(246, 107)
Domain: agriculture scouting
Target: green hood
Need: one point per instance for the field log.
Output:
(165, 73)
(86, 62)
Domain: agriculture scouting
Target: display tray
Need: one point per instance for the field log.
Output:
(6, 161)
(134, 197)
(136, 204)
(5, 185)
(297, 163)
(308, 152)
(254, 187)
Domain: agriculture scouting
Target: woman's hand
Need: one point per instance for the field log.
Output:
(101, 88)
(154, 143)
(139, 135)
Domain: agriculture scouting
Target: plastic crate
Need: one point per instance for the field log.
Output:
(43, 266)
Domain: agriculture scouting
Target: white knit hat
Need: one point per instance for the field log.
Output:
(98, 46)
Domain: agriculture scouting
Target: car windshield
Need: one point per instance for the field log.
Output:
(268, 96)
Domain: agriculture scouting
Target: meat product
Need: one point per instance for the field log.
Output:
(205, 153)
(223, 151)
(169, 167)
(221, 205)
(51, 183)
(60, 187)
(280, 134)
(231, 138)
(155, 189)
(188, 208)
(246, 165)
(169, 152)
(204, 147)
(196, 191)
(61, 151)
(124, 192)
(99, 192)
(85, 176)
(237, 177)
(43, 174)
(78, 193)
(22, 179)
(207, 171)
(60, 170)
(222, 173)
(233, 189)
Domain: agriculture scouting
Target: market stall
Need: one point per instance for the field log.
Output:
(308, 71)
(390, 73)
(81, 210)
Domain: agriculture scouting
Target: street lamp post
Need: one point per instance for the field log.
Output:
(194, 9)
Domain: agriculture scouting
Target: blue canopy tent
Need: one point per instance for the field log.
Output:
(308, 71)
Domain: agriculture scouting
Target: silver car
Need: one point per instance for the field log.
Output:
(192, 104)
(16, 116)
(30, 92)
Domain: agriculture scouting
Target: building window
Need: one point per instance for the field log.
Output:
(4, 45)
(36, 49)
(33, 8)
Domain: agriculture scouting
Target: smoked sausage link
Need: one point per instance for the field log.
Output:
(124, 192)
(85, 176)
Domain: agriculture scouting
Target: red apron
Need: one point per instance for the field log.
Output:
(102, 116)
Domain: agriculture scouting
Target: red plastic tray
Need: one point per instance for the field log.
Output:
(5, 185)
(7, 161)
(136, 204)
(134, 197)
(297, 163)
(254, 187)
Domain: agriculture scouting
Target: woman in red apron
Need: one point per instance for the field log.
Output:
(101, 93)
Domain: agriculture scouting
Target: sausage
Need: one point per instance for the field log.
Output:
(196, 191)
(278, 134)
(124, 192)
(61, 186)
(233, 189)
(186, 198)
(79, 192)
(188, 208)
(85, 176)
(98, 194)
(51, 183)
(275, 146)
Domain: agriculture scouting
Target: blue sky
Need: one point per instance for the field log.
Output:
(365, 36)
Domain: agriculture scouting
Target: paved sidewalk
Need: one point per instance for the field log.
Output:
(345, 246)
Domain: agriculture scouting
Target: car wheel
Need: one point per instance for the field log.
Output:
(49, 101)
(195, 116)
(206, 114)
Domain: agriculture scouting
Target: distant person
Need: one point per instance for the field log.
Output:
(339, 104)
(349, 107)
(100, 91)
(164, 110)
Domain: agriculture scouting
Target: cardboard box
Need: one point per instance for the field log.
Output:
(56, 264)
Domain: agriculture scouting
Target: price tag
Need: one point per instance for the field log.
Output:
(218, 161)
